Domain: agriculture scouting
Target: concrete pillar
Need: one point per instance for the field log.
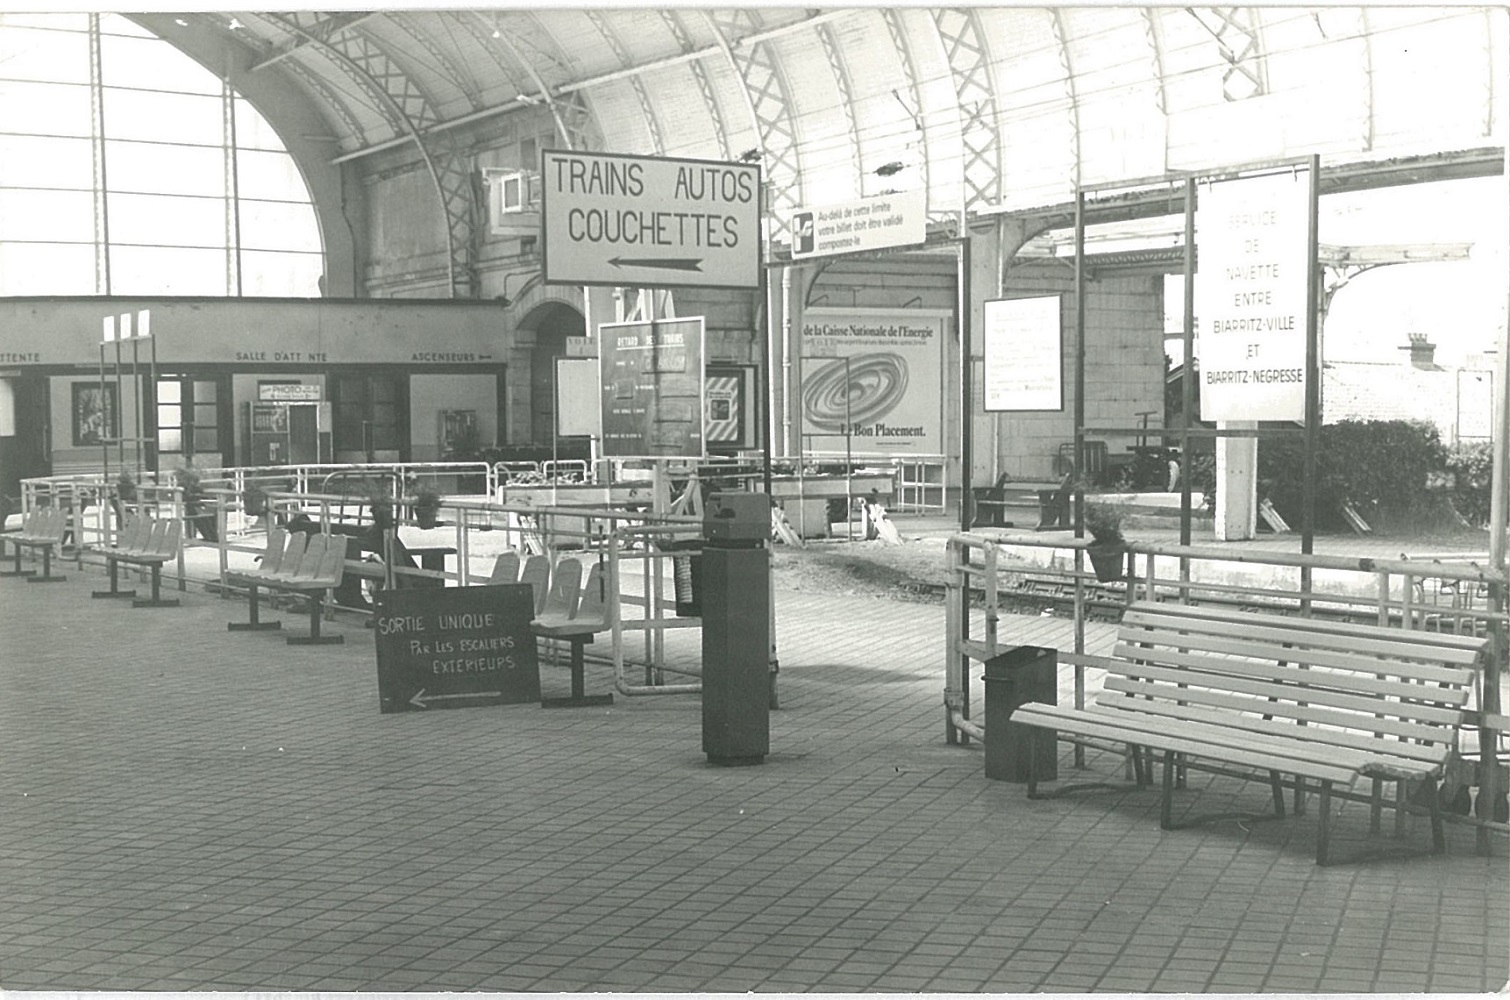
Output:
(1236, 484)
(7, 408)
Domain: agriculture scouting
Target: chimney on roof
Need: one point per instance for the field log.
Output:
(1422, 351)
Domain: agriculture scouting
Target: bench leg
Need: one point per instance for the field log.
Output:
(579, 697)
(1438, 835)
(253, 623)
(1400, 797)
(1166, 801)
(1375, 804)
(1277, 786)
(115, 574)
(18, 571)
(47, 576)
(1323, 821)
(316, 609)
(156, 600)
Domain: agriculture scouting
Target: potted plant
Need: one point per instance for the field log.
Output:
(125, 494)
(1108, 548)
(426, 507)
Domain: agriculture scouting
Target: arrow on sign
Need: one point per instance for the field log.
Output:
(420, 701)
(665, 263)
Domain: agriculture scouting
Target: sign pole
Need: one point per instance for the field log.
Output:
(1313, 380)
(763, 304)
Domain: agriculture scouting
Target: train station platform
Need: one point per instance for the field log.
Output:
(190, 809)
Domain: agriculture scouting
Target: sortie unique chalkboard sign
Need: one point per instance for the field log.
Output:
(456, 647)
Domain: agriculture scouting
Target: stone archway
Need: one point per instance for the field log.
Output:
(548, 323)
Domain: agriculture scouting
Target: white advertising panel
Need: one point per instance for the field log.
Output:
(1024, 354)
(872, 381)
(578, 403)
(649, 221)
(877, 223)
(1255, 260)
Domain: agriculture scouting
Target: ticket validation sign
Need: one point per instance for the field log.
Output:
(649, 221)
(1255, 260)
(455, 647)
(652, 384)
(878, 223)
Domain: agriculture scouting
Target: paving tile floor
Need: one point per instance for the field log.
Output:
(190, 809)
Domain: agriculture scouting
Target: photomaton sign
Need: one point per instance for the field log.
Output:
(649, 221)
(1250, 296)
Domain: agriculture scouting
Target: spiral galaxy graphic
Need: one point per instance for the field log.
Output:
(874, 385)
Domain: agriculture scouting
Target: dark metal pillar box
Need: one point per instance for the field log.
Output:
(736, 613)
(1016, 677)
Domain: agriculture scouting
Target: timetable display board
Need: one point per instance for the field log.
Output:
(651, 375)
(455, 647)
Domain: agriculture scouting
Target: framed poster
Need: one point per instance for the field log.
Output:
(1024, 355)
(95, 413)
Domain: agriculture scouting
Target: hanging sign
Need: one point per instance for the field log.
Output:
(1255, 258)
(456, 647)
(872, 381)
(649, 221)
(1024, 355)
(651, 374)
(876, 223)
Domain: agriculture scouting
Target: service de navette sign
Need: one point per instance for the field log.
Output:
(608, 219)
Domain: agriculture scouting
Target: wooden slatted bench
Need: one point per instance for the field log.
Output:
(144, 541)
(43, 529)
(1320, 701)
(309, 565)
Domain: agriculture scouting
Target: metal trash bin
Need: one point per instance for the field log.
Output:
(1016, 677)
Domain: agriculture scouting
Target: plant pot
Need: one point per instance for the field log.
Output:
(205, 525)
(1108, 561)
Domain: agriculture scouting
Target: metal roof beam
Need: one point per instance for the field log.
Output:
(321, 31)
(693, 55)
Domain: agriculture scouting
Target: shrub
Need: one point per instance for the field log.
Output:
(1382, 466)
(1469, 473)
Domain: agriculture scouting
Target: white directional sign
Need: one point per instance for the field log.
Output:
(608, 219)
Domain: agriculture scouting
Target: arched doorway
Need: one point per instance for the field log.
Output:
(551, 322)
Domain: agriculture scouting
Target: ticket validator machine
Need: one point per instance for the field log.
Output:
(736, 612)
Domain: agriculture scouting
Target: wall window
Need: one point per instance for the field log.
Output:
(126, 168)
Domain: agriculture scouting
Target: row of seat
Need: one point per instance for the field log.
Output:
(568, 607)
(42, 529)
(143, 541)
(294, 562)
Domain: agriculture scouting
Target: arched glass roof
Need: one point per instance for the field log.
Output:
(126, 168)
(986, 108)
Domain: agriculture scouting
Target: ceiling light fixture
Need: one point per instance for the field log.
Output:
(887, 169)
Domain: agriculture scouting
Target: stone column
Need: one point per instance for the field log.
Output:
(1236, 483)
